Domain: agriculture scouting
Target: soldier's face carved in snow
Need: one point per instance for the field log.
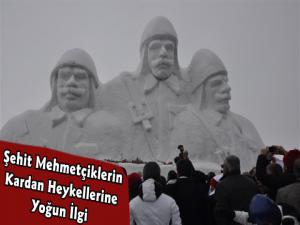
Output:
(161, 58)
(217, 93)
(73, 88)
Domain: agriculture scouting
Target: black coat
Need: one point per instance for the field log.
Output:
(191, 197)
(271, 181)
(234, 192)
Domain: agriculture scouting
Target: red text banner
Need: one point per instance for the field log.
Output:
(43, 186)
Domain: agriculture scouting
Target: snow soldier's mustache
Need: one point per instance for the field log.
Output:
(76, 91)
(163, 63)
(223, 97)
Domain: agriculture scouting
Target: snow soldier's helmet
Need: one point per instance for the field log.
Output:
(204, 64)
(78, 58)
(158, 28)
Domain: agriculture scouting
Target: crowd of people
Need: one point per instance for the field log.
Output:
(269, 194)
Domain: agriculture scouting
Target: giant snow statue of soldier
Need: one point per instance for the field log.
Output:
(207, 128)
(70, 121)
(144, 99)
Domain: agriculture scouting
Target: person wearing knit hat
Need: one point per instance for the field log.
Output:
(134, 181)
(289, 158)
(62, 123)
(208, 128)
(263, 210)
(151, 170)
(144, 98)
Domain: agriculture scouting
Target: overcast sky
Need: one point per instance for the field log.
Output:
(257, 40)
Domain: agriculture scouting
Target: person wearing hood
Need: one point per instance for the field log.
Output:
(145, 98)
(207, 128)
(264, 211)
(151, 206)
(64, 123)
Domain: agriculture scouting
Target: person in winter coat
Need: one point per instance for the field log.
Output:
(190, 194)
(290, 194)
(151, 206)
(274, 182)
(234, 192)
(172, 177)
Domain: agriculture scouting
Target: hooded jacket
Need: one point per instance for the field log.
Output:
(153, 207)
